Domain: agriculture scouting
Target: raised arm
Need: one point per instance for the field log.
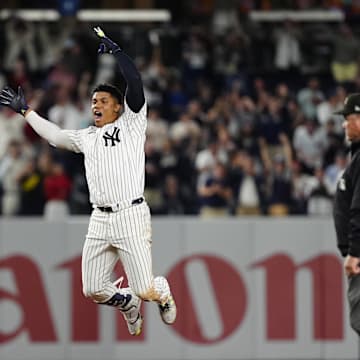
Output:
(134, 91)
(46, 129)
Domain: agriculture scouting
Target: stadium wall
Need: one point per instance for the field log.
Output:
(257, 288)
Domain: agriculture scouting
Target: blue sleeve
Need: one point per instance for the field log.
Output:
(134, 90)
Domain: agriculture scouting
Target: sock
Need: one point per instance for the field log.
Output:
(119, 300)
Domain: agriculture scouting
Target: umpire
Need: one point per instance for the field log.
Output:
(347, 208)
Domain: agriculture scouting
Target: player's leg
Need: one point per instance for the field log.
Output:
(98, 261)
(132, 231)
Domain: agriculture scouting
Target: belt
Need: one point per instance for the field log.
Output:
(117, 207)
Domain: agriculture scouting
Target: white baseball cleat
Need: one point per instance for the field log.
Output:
(131, 309)
(133, 319)
(168, 311)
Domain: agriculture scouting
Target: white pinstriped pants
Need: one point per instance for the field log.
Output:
(124, 235)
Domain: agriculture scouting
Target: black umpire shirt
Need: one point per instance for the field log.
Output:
(346, 211)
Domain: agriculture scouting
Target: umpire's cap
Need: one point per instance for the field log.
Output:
(351, 105)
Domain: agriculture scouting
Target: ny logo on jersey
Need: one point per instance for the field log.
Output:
(112, 137)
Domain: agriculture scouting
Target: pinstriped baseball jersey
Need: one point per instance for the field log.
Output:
(114, 157)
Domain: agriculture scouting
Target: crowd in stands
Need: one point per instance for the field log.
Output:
(240, 118)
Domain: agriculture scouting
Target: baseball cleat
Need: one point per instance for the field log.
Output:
(131, 309)
(168, 311)
(132, 316)
(134, 326)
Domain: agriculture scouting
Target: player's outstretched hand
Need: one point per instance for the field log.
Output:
(13, 100)
(106, 42)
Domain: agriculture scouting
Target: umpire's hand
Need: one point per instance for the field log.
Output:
(106, 42)
(13, 100)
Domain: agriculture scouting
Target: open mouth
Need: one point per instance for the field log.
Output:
(97, 115)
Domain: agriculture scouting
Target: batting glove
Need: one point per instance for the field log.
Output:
(13, 100)
(106, 42)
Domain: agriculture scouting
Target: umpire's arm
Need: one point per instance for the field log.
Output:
(351, 263)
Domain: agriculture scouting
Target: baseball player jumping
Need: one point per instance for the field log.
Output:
(120, 223)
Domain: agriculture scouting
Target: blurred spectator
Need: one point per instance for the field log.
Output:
(19, 76)
(20, 41)
(320, 201)
(231, 56)
(79, 199)
(225, 141)
(176, 99)
(195, 111)
(335, 143)
(11, 128)
(284, 94)
(346, 55)
(73, 57)
(310, 143)
(325, 110)
(302, 185)
(57, 188)
(205, 95)
(32, 199)
(207, 158)
(83, 99)
(52, 38)
(64, 113)
(278, 178)
(242, 113)
(279, 197)
(62, 77)
(247, 185)
(215, 194)
(155, 78)
(11, 168)
(195, 60)
(248, 139)
(169, 159)
(310, 97)
(224, 19)
(173, 201)
(185, 128)
(287, 57)
(153, 180)
(334, 171)
(262, 49)
(157, 129)
(271, 125)
(106, 69)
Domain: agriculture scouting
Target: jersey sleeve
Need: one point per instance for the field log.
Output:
(135, 121)
(76, 138)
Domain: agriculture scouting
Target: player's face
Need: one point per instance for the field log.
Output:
(352, 127)
(105, 108)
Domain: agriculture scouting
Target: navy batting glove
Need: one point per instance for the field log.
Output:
(15, 101)
(106, 42)
(102, 48)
